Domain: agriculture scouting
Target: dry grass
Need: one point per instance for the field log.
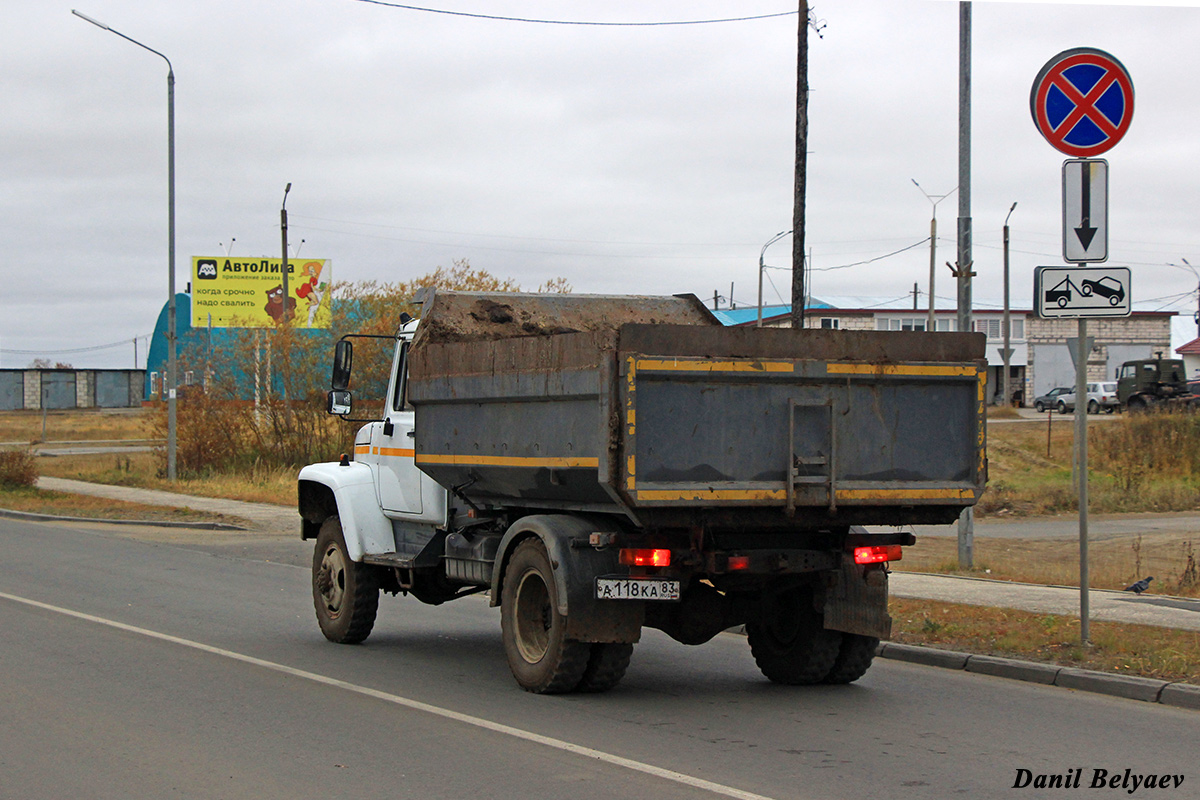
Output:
(74, 425)
(60, 504)
(1029, 466)
(1125, 649)
(1002, 412)
(256, 485)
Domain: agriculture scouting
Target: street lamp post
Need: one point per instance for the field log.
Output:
(929, 326)
(171, 342)
(761, 254)
(284, 228)
(1007, 345)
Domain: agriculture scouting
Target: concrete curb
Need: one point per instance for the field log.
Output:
(208, 526)
(1148, 690)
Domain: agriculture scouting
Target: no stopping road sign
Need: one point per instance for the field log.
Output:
(1082, 101)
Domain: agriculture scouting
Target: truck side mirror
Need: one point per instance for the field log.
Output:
(339, 402)
(343, 358)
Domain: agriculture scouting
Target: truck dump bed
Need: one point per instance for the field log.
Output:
(597, 410)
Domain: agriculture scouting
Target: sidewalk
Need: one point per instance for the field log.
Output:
(265, 518)
(1106, 606)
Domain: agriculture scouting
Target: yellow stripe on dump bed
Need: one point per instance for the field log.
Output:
(509, 461)
(901, 369)
(705, 365)
(663, 495)
(905, 494)
(711, 494)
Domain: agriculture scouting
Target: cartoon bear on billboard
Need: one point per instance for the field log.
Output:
(274, 306)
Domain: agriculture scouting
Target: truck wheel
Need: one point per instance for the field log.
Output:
(605, 667)
(790, 643)
(345, 594)
(534, 633)
(854, 658)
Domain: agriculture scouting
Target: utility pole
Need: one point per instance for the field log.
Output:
(1197, 317)
(930, 326)
(966, 523)
(798, 288)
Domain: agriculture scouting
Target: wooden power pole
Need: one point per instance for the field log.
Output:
(798, 288)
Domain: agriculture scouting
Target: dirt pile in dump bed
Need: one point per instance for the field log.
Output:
(476, 316)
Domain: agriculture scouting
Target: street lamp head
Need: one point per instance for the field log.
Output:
(95, 22)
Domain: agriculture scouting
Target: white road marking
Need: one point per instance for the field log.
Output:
(416, 705)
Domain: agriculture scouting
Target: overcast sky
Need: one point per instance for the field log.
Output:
(626, 159)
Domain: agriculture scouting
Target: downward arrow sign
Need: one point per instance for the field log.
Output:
(1085, 231)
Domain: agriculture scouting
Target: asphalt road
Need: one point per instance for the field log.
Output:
(193, 667)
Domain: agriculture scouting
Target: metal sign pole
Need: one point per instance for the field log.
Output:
(1081, 423)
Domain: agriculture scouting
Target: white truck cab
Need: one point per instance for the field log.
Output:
(386, 504)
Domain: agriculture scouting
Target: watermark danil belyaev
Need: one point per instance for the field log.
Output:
(1097, 778)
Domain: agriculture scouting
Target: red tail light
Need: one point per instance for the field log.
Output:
(878, 554)
(646, 558)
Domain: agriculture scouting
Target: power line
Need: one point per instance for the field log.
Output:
(861, 263)
(122, 343)
(473, 247)
(498, 18)
(514, 237)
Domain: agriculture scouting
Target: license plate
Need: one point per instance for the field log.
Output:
(636, 589)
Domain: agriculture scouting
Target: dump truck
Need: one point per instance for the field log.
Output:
(1154, 383)
(601, 464)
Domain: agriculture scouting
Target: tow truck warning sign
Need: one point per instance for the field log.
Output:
(1073, 292)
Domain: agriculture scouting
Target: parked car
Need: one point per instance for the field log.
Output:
(1049, 400)
(1101, 396)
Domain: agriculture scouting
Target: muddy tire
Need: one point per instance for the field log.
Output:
(790, 643)
(345, 594)
(534, 632)
(853, 660)
(605, 668)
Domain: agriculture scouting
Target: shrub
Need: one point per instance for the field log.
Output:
(17, 468)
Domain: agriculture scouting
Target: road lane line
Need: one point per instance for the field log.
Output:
(416, 705)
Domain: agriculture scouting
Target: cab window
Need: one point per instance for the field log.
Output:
(400, 396)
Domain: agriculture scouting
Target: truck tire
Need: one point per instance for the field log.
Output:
(605, 668)
(853, 660)
(790, 643)
(534, 632)
(345, 593)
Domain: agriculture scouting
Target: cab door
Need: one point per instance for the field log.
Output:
(399, 485)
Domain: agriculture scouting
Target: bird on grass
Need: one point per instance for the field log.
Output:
(1139, 586)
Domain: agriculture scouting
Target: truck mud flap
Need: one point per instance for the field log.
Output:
(857, 602)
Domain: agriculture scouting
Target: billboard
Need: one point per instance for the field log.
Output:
(248, 292)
